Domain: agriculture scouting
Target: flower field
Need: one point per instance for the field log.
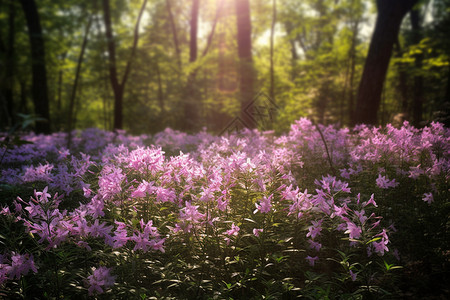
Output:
(317, 213)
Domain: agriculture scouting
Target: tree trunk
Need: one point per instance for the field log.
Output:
(192, 104)
(447, 92)
(23, 97)
(246, 70)
(60, 85)
(39, 72)
(117, 90)
(272, 33)
(402, 78)
(193, 31)
(160, 92)
(71, 114)
(294, 55)
(9, 72)
(418, 79)
(119, 87)
(389, 18)
(351, 102)
(174, 33)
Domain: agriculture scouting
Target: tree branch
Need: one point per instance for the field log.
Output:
(135, 42)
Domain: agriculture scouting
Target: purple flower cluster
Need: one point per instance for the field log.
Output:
(261, 172)
(15, 265)
(99, 280)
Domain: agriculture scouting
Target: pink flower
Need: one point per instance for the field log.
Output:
(314, 245)
(371, 201)
(191, 213)
(143, 241)
(99, 280)
(352, 275)
(120, 237)
(428, 197)
(380, 247)
(5, 211)
(21, 264)
(339, 211)
(300, 201)
(142, 190)
(233, 231)
(165, 195)
(83, 244)
(99, 230)
(34, 210)
(95, 207)
(264, 205)
(353, 230)
(361, 216)
(315, 229)
(311, 260)
(256, 231)
(42, 196)
(384, 182)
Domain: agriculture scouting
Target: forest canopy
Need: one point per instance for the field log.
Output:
(222, 64)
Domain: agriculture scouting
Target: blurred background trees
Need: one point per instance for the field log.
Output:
(148, 65)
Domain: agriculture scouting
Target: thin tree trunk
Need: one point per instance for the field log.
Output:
(111, 46)
(418, 79)
(39, 87)
(71, 114)
(59, 91)
(213, 29)
(447, 93)
(23, 97)
(193, 31)
(389, 18)
(344, 93)
(221, 62)
(246, 69)
(352, 71)
(3, 109)
(10, 64)
(160, 91)
(402, 85)
(174, 33)
(103, 75)
(191, 101)
(303, 46)
(294, 55)
(119, 87)
(272, 33)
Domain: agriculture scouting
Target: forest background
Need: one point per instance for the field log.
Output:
(144, 65)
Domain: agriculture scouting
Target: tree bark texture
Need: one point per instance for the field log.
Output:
(389, 18)
(39, 72)
(246, 69)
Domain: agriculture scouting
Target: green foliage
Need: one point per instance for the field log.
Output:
(319, 55)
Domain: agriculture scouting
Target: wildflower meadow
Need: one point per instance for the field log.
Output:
(320, 212)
